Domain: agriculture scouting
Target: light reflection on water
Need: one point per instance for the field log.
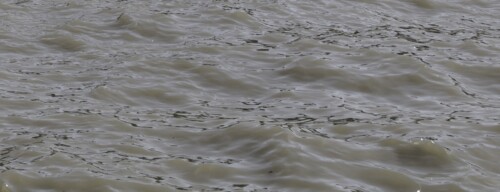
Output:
(249, 96)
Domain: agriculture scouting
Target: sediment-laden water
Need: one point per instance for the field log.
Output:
(260, 95)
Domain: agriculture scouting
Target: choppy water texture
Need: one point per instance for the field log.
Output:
(258, 95)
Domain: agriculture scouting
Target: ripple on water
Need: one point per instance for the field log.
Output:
(277, 157)
(29, 181)
(421, 153)
(64, 42)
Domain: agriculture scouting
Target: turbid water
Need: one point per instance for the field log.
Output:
(258, 95)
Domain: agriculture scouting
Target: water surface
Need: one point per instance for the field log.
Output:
(262, 95)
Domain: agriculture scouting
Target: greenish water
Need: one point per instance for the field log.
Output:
(228, 95)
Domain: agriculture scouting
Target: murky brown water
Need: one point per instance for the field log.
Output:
(261, 95)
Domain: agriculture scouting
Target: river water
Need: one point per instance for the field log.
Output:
(258, 95)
